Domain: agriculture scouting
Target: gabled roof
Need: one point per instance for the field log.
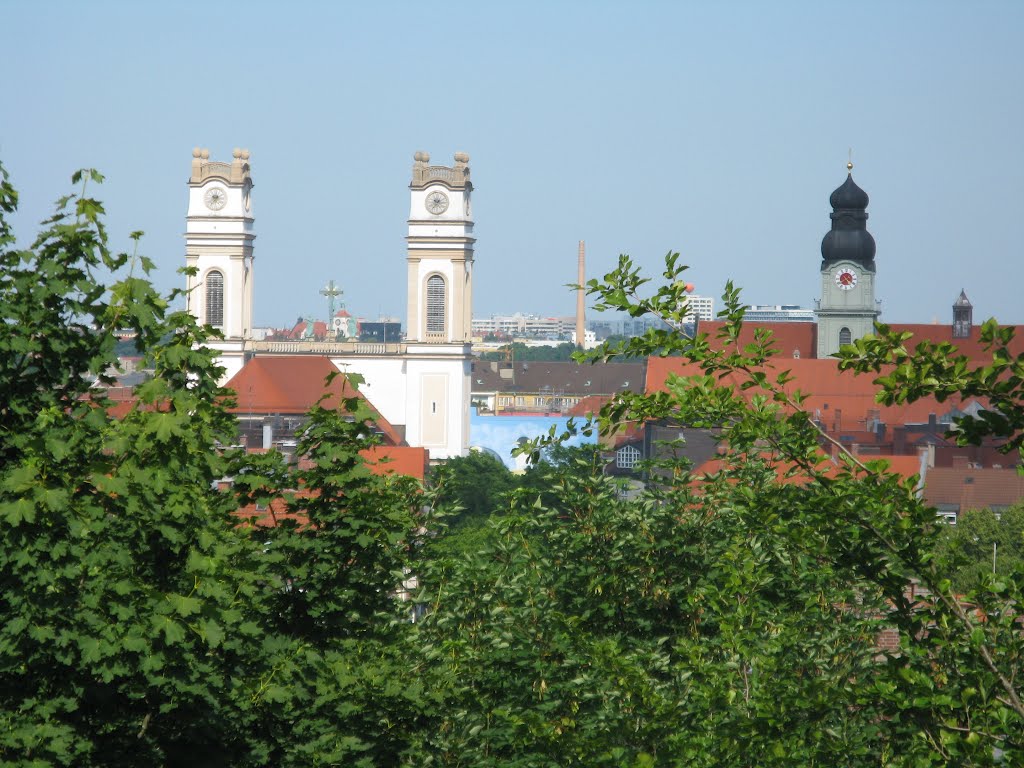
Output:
(969, 488)
(292, 384)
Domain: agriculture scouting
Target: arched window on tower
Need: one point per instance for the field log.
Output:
(845, 337)
(215, 298)
(435, 304)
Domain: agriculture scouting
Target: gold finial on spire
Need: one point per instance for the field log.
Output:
(849, 160)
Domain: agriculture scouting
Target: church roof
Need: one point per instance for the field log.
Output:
(849, 239)
(791, 339)
(849, 195)
(292, 384)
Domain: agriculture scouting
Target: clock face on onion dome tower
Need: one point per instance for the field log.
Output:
(847, 309)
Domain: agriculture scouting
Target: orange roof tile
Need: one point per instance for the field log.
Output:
(840, 400)
(973, 488)
(788, 338)
(292, 384)
(970, 347)
(400, 460)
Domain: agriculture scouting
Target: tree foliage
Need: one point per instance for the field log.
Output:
(143, 624)
(982, 544)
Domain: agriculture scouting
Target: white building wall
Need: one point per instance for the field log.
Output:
(384, 384)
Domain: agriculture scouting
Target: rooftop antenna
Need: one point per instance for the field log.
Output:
(331, 291)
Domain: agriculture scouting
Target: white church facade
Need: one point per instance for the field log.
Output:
(421, 384)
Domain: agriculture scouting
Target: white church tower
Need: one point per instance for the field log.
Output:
(440, 252)
(218, 245)
(440, 306)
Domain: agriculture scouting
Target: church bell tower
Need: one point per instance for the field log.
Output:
(438, 338)
(440, 252)
(218, 246)
(847, 309)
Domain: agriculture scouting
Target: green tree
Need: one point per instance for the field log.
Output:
(128, 593)
(474, 487)
(143, 622)
(981, 545)
(724, 620)
(339, 692)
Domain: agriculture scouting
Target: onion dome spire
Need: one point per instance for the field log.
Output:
(849, 239)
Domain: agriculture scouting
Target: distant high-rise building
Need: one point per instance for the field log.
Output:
(778, 313)
(699, 308)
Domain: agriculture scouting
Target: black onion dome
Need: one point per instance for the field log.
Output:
(849, 239)
(849, 195)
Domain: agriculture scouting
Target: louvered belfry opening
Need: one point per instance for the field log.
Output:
(215, 298)
(435, 304)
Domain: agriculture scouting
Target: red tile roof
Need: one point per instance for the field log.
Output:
(840, 400)
(971, 346)
(589, 405)
(397, 460)
(973, 488)
(292, 384)
(904, 466)
(789, 338)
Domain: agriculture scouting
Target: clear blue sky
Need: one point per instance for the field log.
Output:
(716, 129)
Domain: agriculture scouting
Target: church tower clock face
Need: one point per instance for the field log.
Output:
(437, 203)
(846, 279)
(215, 198)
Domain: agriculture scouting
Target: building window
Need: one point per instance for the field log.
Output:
(520, 401)
(215, 298)
(435, 304)
(626, 457)
(845, 337)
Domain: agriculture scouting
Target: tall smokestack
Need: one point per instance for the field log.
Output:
(581, 280)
